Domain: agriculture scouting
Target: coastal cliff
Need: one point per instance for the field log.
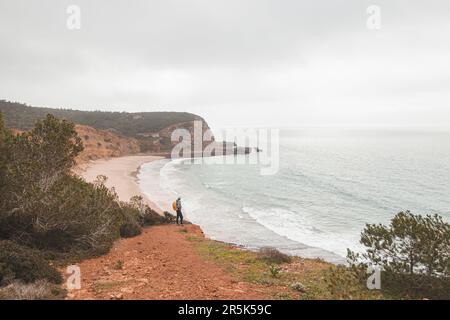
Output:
(117, 134)
(109, 134)
(102, 144)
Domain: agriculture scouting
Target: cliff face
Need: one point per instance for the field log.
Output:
(110, 134)
(161, 141)
(101, 144)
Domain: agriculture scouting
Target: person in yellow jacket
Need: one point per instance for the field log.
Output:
(176, 205)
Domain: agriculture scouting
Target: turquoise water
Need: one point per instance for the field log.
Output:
(328, 186)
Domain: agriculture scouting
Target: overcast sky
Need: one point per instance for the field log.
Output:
(275, 63)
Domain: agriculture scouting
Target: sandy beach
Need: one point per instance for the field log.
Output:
(122, 175)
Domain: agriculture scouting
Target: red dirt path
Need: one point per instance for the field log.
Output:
(160, 264)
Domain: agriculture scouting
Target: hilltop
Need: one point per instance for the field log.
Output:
(108, 134)
(137, 125)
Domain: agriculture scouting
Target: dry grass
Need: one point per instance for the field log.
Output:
(39, 290)
(297, 278)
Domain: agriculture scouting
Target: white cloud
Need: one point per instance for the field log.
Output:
(251, 62)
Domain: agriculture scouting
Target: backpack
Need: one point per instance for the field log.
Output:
(174, 205)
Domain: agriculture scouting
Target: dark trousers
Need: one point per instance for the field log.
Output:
(179, 216)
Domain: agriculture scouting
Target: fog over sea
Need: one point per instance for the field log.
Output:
(328, 186)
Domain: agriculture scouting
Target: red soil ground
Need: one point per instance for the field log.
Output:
(160, 264)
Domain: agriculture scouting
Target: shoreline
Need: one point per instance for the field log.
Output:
(136, 268)
(166, 249)
(122, 175)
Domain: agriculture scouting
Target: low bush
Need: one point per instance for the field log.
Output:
(274, 271)
(272, 255)
(130, 229)
(71, 216)
(22, 263)
(415, 286)
(143, 214)
(151, 218)
(47, 212)
(131, 220)
(344, 283)
(43, 205)
(413, 252)
(169, 218)
(298, 286)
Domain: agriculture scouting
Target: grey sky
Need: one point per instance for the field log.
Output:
(246, 62)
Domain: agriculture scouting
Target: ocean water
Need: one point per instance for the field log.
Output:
(328, 186)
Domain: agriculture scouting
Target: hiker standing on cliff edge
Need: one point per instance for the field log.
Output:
(177, 207)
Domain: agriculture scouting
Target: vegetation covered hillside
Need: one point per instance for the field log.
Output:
(48, 215)
(23, 117)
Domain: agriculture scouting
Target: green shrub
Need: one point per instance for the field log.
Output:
(274, 271)
(169, 218)
(413, 253)
(130, 229)
(344, 283)
(21, 263)
(131, 220)
(272, 255)
(415, 286)
(151, 218)
(72, 216)
(411, 244)
(44, 206)
(145, 215)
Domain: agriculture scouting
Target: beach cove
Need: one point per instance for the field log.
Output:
(168, 261)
